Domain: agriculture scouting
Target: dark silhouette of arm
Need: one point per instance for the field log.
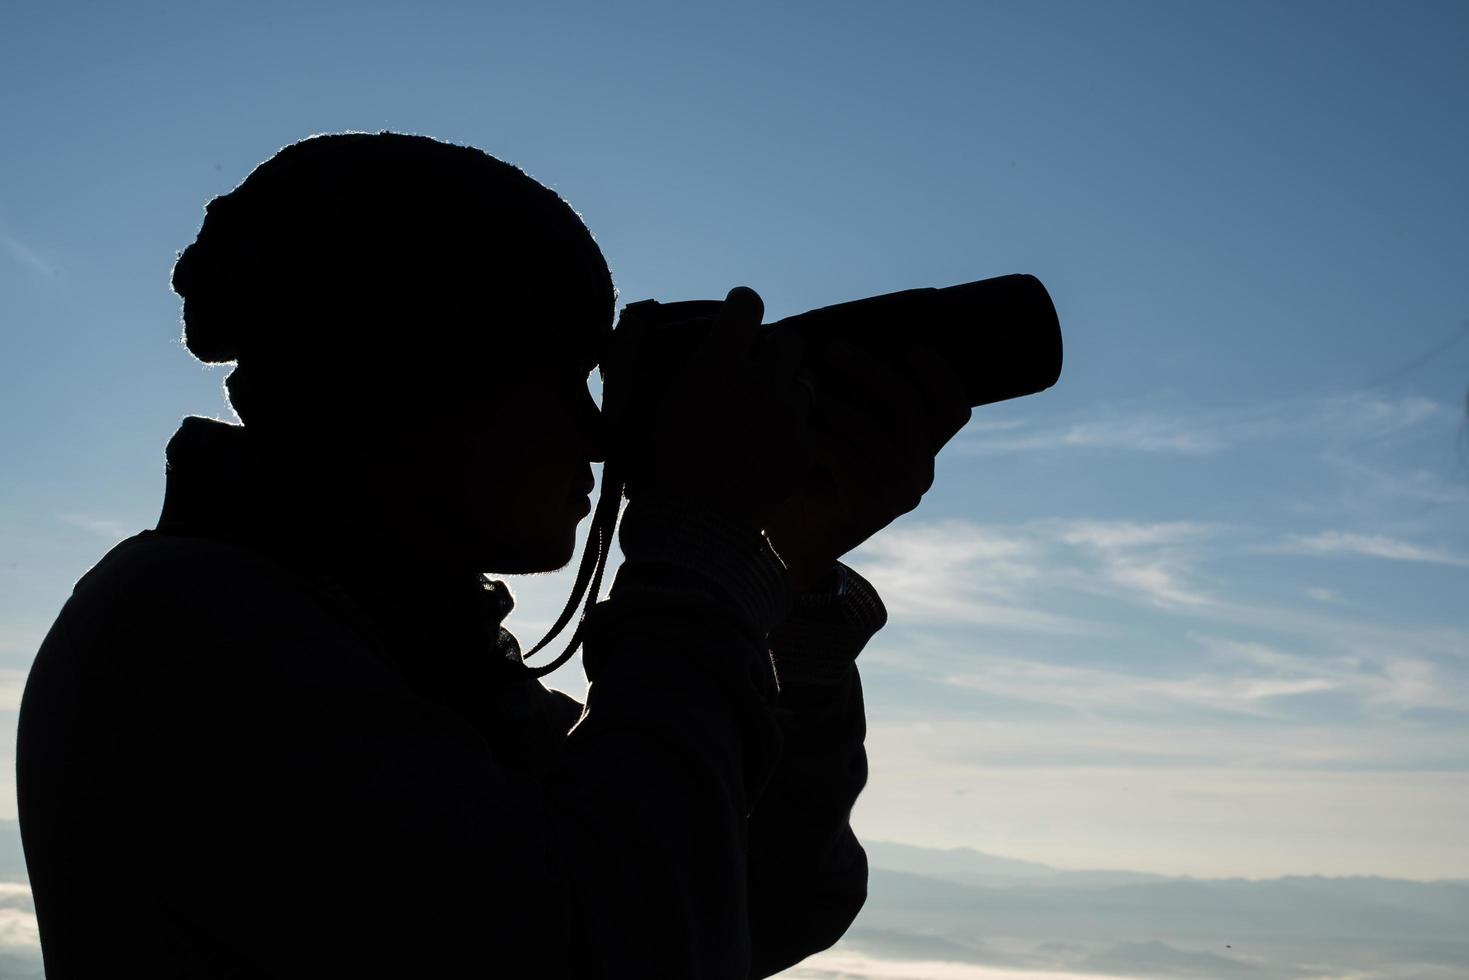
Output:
(807, 871)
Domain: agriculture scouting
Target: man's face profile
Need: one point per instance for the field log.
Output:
(546, 434)
(500, 476)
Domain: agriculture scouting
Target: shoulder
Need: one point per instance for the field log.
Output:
(162, 601)
(154, 573)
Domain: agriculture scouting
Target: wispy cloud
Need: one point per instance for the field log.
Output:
(1375, 676)
(845, 964)
(961, 572)
(103, 527)
(936, 739)
(1171, 700)
(27, 256)
(20, 934)
(1135, 433)
(1370, 545)
(1027, 579)
(1344, 417)
(1356, 485)
(1143, 559)
(16, 640)
(1117, 535)
(1092, 690)
(1028, 575)
(12, 685)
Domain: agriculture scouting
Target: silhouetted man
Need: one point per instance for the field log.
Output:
(285, 734)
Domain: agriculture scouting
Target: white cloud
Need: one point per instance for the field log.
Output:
(960, 572)
(1142, 432)
(1158, 581)
(20, 935)
(1129, 739)
(1382, 679)
(843, 964)
(1363, 414)
(1114, 535)
(16, 895)
(1248, 678)
(1369, 489)
(1336, 418)
(12, 684)
(103, 527)
(1370, 545)
(1097, 691)
(1024, 579)
(1144, 560)
(19, 641)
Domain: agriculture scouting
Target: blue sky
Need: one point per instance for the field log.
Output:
(1199, 609)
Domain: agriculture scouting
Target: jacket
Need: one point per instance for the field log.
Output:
(251, 747)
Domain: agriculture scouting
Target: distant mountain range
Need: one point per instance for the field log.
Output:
(968, 907)
(963, 906)
(972, 867)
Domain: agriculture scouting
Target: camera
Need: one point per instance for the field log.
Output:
(1002, 336)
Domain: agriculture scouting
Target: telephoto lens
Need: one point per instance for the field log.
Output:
(1001, 335)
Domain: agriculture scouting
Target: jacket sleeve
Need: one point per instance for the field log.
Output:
(326, 821)
(808, 873)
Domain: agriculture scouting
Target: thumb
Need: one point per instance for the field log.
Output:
(735, 326)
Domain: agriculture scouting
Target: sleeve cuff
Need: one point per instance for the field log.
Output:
(712, 553)
(826, 630)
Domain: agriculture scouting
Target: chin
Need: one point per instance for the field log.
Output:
(550, 554)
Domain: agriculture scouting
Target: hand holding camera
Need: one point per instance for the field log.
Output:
(776, 427)
(877, 430)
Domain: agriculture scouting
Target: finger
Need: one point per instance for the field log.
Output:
(852, 401)
(735, 326)
(917, 445)
(856, 475)
(949, 404)
(920, 446)
(861, 457)
(897, 403)
(901, 408)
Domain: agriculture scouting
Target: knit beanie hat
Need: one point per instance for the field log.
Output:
(379, 273)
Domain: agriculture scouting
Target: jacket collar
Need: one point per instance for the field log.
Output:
(220, 484)
(441, 633)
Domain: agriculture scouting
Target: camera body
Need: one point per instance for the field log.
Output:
(1002, 335)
